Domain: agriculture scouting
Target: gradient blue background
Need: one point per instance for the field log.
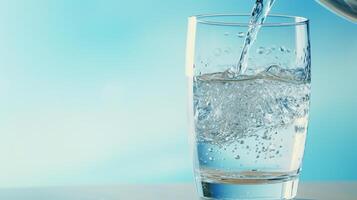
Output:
(94, 92)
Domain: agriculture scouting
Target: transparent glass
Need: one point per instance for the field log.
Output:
(248, 131)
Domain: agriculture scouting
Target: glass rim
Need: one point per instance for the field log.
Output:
(204, 19)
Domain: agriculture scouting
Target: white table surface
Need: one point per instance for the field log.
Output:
(307, 191)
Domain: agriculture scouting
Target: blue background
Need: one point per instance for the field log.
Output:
(94, 92)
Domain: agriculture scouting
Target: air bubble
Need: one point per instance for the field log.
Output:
(299, 129)
(210, 158)
(261, 50)
(210, 149)
(282, 49)
(237, 157)
(241, 34)
(264, 149)
(268, 51)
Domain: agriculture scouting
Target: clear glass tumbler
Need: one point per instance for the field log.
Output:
(248, 130)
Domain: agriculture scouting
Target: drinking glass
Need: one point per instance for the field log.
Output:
(248, 130)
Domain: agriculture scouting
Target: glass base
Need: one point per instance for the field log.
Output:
(269, 191)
